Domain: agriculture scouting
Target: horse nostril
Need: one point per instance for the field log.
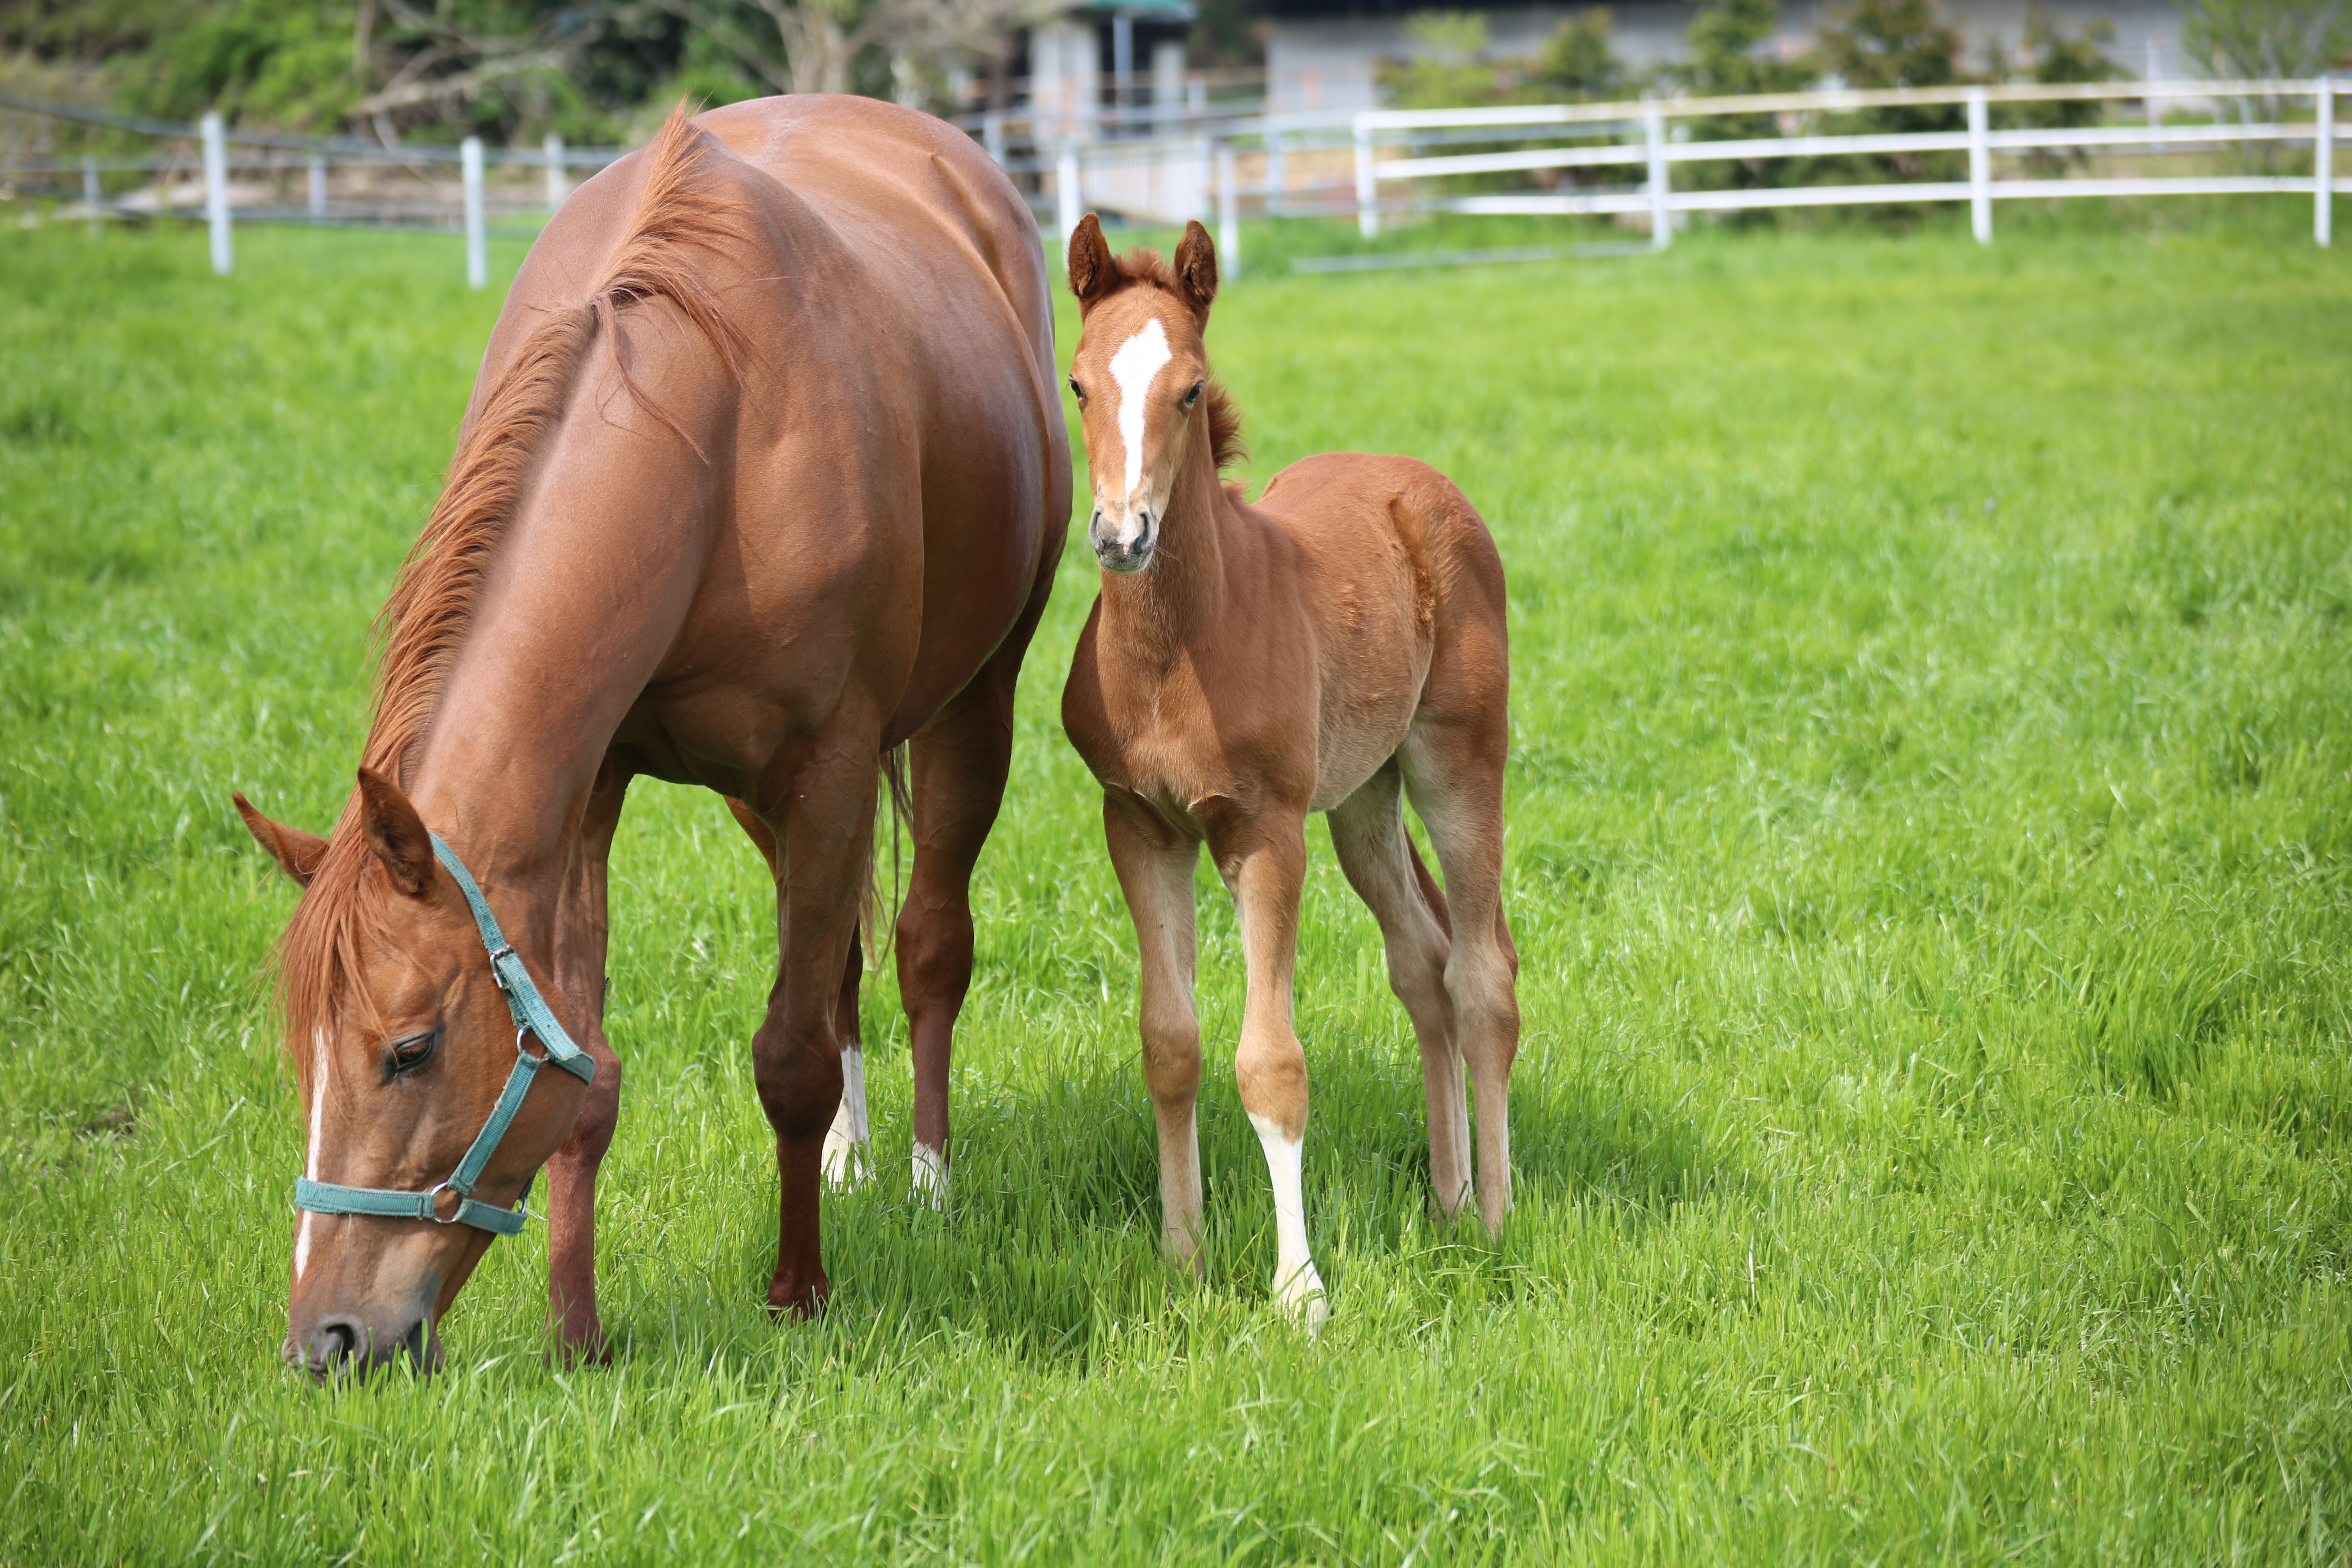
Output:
(330, 1345)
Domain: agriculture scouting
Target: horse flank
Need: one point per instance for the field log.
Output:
(425, 620)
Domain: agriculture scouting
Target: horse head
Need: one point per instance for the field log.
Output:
(405, 1042)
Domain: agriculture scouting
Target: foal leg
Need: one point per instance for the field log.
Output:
(849, 1148)
(960, 762)
(1368, 831)
(1264, 862)
(824, 813)
(572, 1317)
(1455, 773)
(1155, 871)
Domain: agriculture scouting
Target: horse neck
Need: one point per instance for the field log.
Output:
(505, 769)
(1179, 603)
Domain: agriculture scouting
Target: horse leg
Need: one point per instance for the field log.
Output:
(1155, 872)
(1369, 834)
(959, 763)
(823, 819)
(1264, 862)
(571, 1318)
(848, 1150)
(1454, 772)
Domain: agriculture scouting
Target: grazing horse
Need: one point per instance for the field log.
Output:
(1338, 643)
(764, 475)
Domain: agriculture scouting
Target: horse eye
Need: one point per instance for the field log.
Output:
(413, 1052)
(1193, 396)
(1077, 391)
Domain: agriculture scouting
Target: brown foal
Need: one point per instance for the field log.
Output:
(1335, 646)
(764, 475)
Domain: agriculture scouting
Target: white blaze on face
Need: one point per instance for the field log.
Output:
(311, 1159)
(1137, 361)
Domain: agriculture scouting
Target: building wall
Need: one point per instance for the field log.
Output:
(1329, 62)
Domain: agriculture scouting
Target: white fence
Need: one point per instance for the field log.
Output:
(1644, 139)
(1380, 163)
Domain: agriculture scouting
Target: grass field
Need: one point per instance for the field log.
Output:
(1932, 819)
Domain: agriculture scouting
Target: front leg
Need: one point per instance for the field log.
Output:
(1263, 859)
(572, 1317)
(1155, 871)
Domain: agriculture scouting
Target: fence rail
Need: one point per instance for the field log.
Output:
(1234, 161)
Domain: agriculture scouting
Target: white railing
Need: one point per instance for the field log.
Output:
(1647, 144)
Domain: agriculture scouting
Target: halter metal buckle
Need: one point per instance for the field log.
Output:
(433, 1204)
(496, 973)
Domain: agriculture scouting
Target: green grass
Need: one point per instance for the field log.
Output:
(1932, 812)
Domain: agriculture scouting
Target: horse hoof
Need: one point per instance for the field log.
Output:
(803, 1301)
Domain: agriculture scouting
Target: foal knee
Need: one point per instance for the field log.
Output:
(1171, 1054)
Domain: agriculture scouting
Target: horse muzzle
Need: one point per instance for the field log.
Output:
(1129, 547)
(344, 1345)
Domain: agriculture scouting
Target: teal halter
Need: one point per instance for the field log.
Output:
(531, 1016)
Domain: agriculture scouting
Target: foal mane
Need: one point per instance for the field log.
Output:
(425, 620)
(1148, 268)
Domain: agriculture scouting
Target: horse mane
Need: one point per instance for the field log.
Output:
(1146, 266)
(425, 620)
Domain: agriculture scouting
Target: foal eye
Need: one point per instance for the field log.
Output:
(413, 1052)
(1077, 391)
(1193, 396)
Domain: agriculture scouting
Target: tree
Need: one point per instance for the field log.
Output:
(812, 46)
(2271, 38)
(1728, 52)
(1892, 43)
(1578, 62)
(1447, 70)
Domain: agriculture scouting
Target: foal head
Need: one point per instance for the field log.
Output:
(403, 1042)
(1141, 377)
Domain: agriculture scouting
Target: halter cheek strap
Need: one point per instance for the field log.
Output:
(531, 1016)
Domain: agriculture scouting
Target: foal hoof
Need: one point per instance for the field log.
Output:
(1303, 1298)
(570, 1354)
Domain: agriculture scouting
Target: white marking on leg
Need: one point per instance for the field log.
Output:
(311, 1158)
(1137, 361)
(1296, 1286)
(931, 1177)
(848, 1159)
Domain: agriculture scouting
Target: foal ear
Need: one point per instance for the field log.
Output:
(396, 834)
(1196, 268)
(1093, 273)
(296, 853)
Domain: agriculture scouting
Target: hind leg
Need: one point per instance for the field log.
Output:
(1369, 834)
(849, 1148)
(959, 761)
(1454, 772)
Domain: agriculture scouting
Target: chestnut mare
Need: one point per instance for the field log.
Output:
(1335, 646)
(765, 474)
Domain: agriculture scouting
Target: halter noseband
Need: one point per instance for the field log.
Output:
(532, 1016)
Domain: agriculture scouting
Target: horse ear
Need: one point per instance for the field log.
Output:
(1093, 273)
(396, 834)
(1196, 268)
(296, 853)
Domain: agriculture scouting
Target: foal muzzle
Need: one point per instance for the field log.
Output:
(1128, 548)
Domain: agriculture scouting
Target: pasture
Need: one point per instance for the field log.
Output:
(1932, 815)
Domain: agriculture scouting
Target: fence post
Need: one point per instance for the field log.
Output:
(1662, 196)
(1228, 215)
(1979, 169)
(991, 134)
(1367, 189)
(2323, 163)
(1277, 183)
(93, 194)
(1066, 195)
(216, 192)
(317, 190)
(553, 148)
(478, 259)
